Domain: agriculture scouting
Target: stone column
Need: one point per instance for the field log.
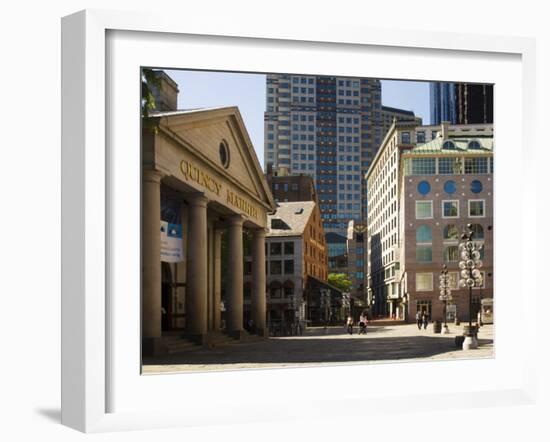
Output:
(197, 270)
(150, 264)
(150, 261)
(234, 309)
(217, 278)
(258, 282)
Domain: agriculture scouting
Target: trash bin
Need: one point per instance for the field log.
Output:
(470, 331)
(459, 340)
(437, 326)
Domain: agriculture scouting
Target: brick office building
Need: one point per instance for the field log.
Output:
(421, 196)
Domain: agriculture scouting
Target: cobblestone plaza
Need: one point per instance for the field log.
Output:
(333, 346)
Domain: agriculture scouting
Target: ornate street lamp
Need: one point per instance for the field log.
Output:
(470, 277)
(445, 296)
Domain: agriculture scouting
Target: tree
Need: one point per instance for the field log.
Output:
(149, 81)
(340, 281)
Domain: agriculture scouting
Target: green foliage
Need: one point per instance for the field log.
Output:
(149, 81)
(340, 281)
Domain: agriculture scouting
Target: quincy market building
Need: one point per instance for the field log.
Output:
(200, 179)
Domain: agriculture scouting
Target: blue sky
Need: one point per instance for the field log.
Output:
(247, 91)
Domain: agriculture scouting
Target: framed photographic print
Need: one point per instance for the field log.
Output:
(251, 212)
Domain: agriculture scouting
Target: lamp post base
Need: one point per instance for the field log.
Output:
(470, 343)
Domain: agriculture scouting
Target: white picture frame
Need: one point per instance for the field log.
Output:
(92, 370)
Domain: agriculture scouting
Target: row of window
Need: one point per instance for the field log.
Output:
(424, 187)
(425, 281)
(450, 233)
(276, 248)
(450, 253)
(450, 209)
(449, 166)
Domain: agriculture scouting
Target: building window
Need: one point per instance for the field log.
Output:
(247, 268)
(475, 165)
(476, 208)
(477, 230)
(275, 267)
(450, 233)
(289, 267)
(275, 248)
(424, 282)
(424, 210)
(450, 208)
(275, 289)
(448, 145)
(474, 144)
(476, 186)
(450, 187)
(289, 248)
(423, 253)
(424, 234)
(453, 280)
(423, 187)
(423, 166)
(406, 137)
(450, 254)
(421, 137)
(450, 166)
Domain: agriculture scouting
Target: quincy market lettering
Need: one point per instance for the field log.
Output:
(193, 173)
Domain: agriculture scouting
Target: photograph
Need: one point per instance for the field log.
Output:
(296, 220)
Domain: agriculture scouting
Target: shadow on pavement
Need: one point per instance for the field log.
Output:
(317, 350)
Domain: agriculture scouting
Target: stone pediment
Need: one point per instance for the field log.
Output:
(201, 135)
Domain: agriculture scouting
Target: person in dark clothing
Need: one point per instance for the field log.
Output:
(425, 320)
(419, 320)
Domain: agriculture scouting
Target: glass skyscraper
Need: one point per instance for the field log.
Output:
(328, 128)
(442, 103)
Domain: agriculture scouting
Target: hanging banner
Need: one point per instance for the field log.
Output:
(171, 242)
(171, 235)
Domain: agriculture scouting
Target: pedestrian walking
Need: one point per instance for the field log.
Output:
(425, 320)
(419, 319)
(349, 324)
(362, 324)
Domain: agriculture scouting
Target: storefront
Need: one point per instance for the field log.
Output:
(200, 178)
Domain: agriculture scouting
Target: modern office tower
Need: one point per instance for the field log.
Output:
(391, 113)
(328, 128)
(442, 103)
(474, 103)
(461, 103)
(421, 196)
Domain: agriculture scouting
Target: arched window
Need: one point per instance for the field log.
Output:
(449, 145)
(474, 144)
(423, 234)
(478, 232)
(450, 232)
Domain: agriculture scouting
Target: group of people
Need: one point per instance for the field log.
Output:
(363, 320)
(422, 319)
